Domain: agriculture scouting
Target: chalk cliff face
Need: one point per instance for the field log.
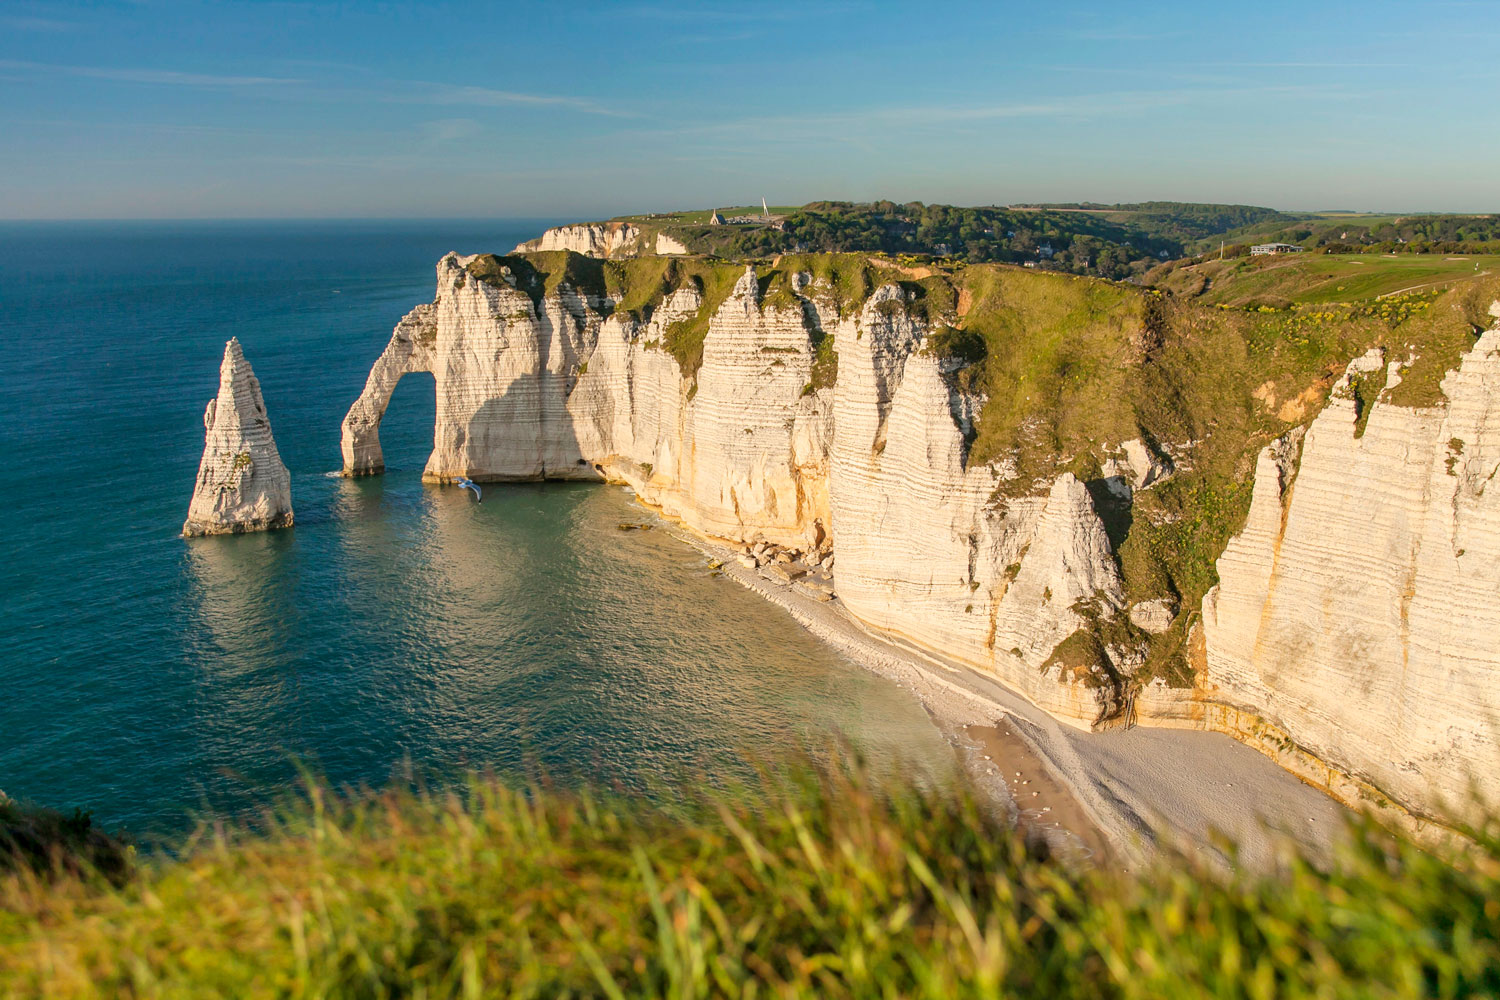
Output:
(746, 449)
(668, 245)
(1359, 609)
(242, 484)
(1357, 612)
(604, 239)
(926, 551)
(594, 239)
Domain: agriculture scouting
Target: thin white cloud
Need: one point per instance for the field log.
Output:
(1123, 36)
(127, 125)
(1081, 106)
(393, 91)
(733, 12)
(50, 24)
(487, 97)
(450, 129)
(164, 77)
(1313, 65)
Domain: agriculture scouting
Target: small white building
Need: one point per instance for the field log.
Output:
(715, 219)
(1261, 249)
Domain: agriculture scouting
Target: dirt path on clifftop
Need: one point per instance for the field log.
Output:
(1429, 284)
(1138, 787)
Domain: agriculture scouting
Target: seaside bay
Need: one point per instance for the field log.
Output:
(150, 678)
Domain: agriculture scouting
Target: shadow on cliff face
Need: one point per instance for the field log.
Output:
(1112, 501)
(522, 435)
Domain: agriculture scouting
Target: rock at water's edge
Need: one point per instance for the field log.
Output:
(242, 483)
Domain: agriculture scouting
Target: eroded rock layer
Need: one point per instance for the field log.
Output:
(1359, 609)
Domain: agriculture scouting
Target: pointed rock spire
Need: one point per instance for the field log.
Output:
(242, 483)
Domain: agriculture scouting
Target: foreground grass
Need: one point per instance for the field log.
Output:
(809, 887)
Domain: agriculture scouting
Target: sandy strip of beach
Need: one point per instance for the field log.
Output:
(1111, 796)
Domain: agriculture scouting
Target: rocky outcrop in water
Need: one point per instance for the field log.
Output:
(242, 484)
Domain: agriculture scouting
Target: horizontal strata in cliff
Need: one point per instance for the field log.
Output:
(242, 484)
(1359, 609)
(718, 404)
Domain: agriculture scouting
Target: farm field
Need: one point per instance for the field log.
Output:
(1314, 279)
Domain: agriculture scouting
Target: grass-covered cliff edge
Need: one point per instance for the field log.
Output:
(805, 887)
(1064, 370)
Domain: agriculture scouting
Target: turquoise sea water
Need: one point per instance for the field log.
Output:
(149, 678)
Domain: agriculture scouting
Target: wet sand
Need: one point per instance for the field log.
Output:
(1046, 807)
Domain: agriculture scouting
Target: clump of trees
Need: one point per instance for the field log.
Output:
(1078, 242)
(1396, 234)
(1121, 241)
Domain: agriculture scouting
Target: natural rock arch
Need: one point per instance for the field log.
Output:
(410, 350)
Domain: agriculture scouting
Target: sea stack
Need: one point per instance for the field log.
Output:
(242, 483)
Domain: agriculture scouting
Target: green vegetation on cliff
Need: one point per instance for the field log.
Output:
(1184, 221)
(809, 887)
(1110, 241)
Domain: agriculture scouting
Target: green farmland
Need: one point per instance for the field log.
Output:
(1315, 279)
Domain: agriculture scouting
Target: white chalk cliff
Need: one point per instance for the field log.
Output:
(593, 239)
(604, 239)
(242, 484)
(747, 450)
(1359, 609)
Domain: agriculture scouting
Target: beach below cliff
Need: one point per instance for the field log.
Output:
(1112, 796)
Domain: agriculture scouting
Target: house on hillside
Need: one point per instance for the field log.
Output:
(1261, 249)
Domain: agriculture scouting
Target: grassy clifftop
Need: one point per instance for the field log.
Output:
(810, 887)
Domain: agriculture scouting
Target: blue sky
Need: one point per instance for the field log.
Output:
(199, 110)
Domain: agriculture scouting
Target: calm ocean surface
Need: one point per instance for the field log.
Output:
(148, 678)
